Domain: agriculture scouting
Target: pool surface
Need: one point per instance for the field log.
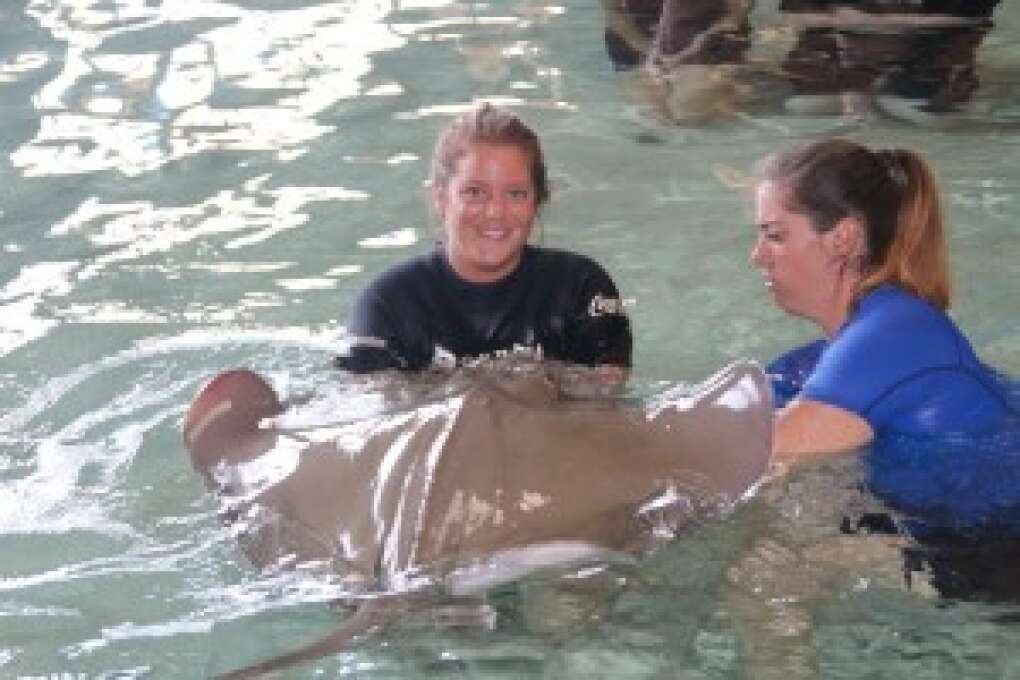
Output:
(191, 186)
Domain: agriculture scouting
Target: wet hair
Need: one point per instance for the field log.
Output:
(891, 191)
(488, 124)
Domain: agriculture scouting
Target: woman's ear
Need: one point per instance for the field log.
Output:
(848, 239)
(439, 202)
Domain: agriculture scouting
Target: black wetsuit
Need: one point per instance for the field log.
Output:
(561, 302)
(974, 564)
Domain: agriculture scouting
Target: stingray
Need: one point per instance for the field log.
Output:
(500, 475)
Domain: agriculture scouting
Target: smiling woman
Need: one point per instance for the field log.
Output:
(489, 209)
(484, 289)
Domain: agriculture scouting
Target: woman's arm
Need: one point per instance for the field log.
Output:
(376, 341)
(807, 430)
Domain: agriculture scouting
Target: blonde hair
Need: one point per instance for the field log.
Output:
(894, 194)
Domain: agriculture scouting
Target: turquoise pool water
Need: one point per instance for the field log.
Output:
(191, 186)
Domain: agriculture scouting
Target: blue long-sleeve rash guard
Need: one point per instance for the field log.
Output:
(901, 364)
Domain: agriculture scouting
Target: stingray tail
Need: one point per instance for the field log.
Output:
(366, 621)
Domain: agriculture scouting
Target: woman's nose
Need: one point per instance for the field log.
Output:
(495, 206)
(757, 255)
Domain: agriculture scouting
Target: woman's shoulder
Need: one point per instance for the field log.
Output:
(563, 261)
(892, 310)
(415, 271)
(900, 331)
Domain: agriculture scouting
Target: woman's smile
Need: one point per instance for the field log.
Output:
(488, 209)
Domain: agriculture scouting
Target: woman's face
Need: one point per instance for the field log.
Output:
(798, 263)
(488, 209)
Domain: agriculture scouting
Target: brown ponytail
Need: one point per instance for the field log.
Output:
(916, 259)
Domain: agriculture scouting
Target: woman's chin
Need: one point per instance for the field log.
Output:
(785, 305)
(487, 271)
(495, 265)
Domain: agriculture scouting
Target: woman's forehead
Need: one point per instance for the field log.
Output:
(503, 159)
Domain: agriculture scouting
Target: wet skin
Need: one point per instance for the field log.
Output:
(501, 477)
(803, 268)
(488, 208)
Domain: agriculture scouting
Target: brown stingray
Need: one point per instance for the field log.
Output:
(501, 476)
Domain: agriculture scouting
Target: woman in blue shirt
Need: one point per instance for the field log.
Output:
(853, 240)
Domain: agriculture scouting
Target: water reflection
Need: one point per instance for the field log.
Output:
(117, 106)
(142, 86)
(924, 55)
(20, 297)
(22, 63)
(142, 234)
(178, 178)
(75, 479)
(908, 61)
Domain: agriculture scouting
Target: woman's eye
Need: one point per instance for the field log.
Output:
(472, 192)
(520, 194)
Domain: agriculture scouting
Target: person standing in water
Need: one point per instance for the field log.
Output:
(853, 240)
(484, 289)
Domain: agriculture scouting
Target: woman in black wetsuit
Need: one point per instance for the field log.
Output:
(483, 289)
